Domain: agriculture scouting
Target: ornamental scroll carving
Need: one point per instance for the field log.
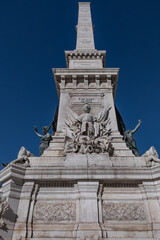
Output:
(88, 134)
(123, 211)
(64, 211)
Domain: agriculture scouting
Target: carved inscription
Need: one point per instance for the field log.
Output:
(84, 29)
(86, 64)
(84, 11)
(64, 211)
(85, 41)
(86, 100)
(89, 100)
(85, 19)
(123, 211)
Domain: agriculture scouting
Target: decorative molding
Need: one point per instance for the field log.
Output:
(58, 212)
(123, 211)
(122, 184)
(90, 238)
(85, 55)
(57, 184)
(101, 83)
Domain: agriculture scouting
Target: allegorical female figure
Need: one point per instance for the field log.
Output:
(130, 141)
(45, 138)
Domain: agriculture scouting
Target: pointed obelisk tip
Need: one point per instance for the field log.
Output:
(85, 38)
(83, 3)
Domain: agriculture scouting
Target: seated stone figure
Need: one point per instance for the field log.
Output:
(23, 157)
(151, 157)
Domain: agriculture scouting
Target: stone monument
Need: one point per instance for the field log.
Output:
(89, 182)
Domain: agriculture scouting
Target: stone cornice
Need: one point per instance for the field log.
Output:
(12, 171)
(70, 78)
(85, 55)
(93, 173)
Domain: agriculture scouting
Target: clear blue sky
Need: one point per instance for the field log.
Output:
(33, 37)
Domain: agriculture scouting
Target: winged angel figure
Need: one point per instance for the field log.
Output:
(88, 134)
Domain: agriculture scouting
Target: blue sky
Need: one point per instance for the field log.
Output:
(33, 37)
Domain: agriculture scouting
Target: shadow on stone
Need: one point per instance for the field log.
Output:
(4, 228)
(10, 215)
(1, 238)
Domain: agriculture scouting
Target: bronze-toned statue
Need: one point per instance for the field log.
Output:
(129, 139)
(45, 138)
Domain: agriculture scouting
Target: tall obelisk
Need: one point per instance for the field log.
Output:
(85, 39)
(88, 184)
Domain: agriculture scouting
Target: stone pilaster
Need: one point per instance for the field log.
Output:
(87, 210)
(12, 181)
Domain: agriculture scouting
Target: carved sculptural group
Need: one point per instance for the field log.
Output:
(4, 207)
(88, 134)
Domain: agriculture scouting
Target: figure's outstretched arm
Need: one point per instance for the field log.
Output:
(36, 131)
(136, 128)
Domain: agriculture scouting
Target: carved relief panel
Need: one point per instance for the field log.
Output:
(55, 211)
(123, 211)
(123, 202)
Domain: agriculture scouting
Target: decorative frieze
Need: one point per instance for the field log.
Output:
(122, 184)
(57, 184)
(123, 211)
(58, 212)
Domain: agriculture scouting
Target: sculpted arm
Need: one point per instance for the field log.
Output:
(36, 131)
(136, 128)
(79, 119)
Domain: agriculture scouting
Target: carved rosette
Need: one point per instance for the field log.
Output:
(58, 212)
(123, 211)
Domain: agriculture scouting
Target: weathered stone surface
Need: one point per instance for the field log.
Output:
(83, 195)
